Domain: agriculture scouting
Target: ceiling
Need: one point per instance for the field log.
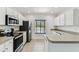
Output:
(41, 10)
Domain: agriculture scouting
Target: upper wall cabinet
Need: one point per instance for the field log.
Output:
(69, 18)
(2, 15)
(20, 19)
(56, 21)
(72, 17)
(59, 20)
(76, 17)
(12, 12)
(3, 19)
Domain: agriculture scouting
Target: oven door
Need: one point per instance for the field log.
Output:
(17, 42)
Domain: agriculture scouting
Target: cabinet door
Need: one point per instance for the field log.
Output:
(76, 17)
(69, 18)
(15, 13)
(10, 11)
(58, 21)
(20, 19)
(2, 15)
(54, 21)
(61, 20)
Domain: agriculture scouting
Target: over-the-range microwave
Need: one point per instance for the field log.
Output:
(11, 20)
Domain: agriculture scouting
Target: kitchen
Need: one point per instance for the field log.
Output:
(13, 32)
(39, 29)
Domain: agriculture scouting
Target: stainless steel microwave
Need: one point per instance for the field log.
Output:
(11, 20)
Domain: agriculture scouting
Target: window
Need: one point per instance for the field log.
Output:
(40, 26)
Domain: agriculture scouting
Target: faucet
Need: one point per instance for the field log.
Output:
(59, 33)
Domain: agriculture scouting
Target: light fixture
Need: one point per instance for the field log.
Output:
(42, 9)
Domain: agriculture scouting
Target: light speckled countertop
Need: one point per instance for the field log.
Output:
(19, 31)
(63, 36)
(5, 39)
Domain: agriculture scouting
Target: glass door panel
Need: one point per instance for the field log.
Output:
(40, 26)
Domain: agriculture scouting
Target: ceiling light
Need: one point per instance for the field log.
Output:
(41, 9)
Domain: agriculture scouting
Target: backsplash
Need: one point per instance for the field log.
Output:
(15, 27)
(69, 28)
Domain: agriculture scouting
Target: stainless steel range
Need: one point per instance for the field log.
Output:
(17, 42)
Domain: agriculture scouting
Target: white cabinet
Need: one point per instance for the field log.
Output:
(72, 17)
(4, 11)
(12, 12)
(20, 19)
(56, 21)
(9, 11)
(2, 15)
(69, 17)
(59, 21)
(76, 17)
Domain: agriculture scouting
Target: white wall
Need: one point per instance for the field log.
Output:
(48, 18)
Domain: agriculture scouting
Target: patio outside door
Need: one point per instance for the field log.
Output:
(40, 26)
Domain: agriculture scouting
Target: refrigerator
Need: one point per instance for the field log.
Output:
(27, 27)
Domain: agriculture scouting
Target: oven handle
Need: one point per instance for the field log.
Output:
(18, 36)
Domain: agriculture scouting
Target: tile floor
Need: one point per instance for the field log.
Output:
(43, 45)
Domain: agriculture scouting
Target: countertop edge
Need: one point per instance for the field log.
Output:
(70, 32)
(63, 41)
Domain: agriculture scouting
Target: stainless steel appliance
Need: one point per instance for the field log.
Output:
(11, 20)
(17, 42)
(27, 27)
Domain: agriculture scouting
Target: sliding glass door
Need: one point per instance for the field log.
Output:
(40, 26)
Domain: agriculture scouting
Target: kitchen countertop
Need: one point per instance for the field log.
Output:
(19, 31)
(5, 39)
(63, 36)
